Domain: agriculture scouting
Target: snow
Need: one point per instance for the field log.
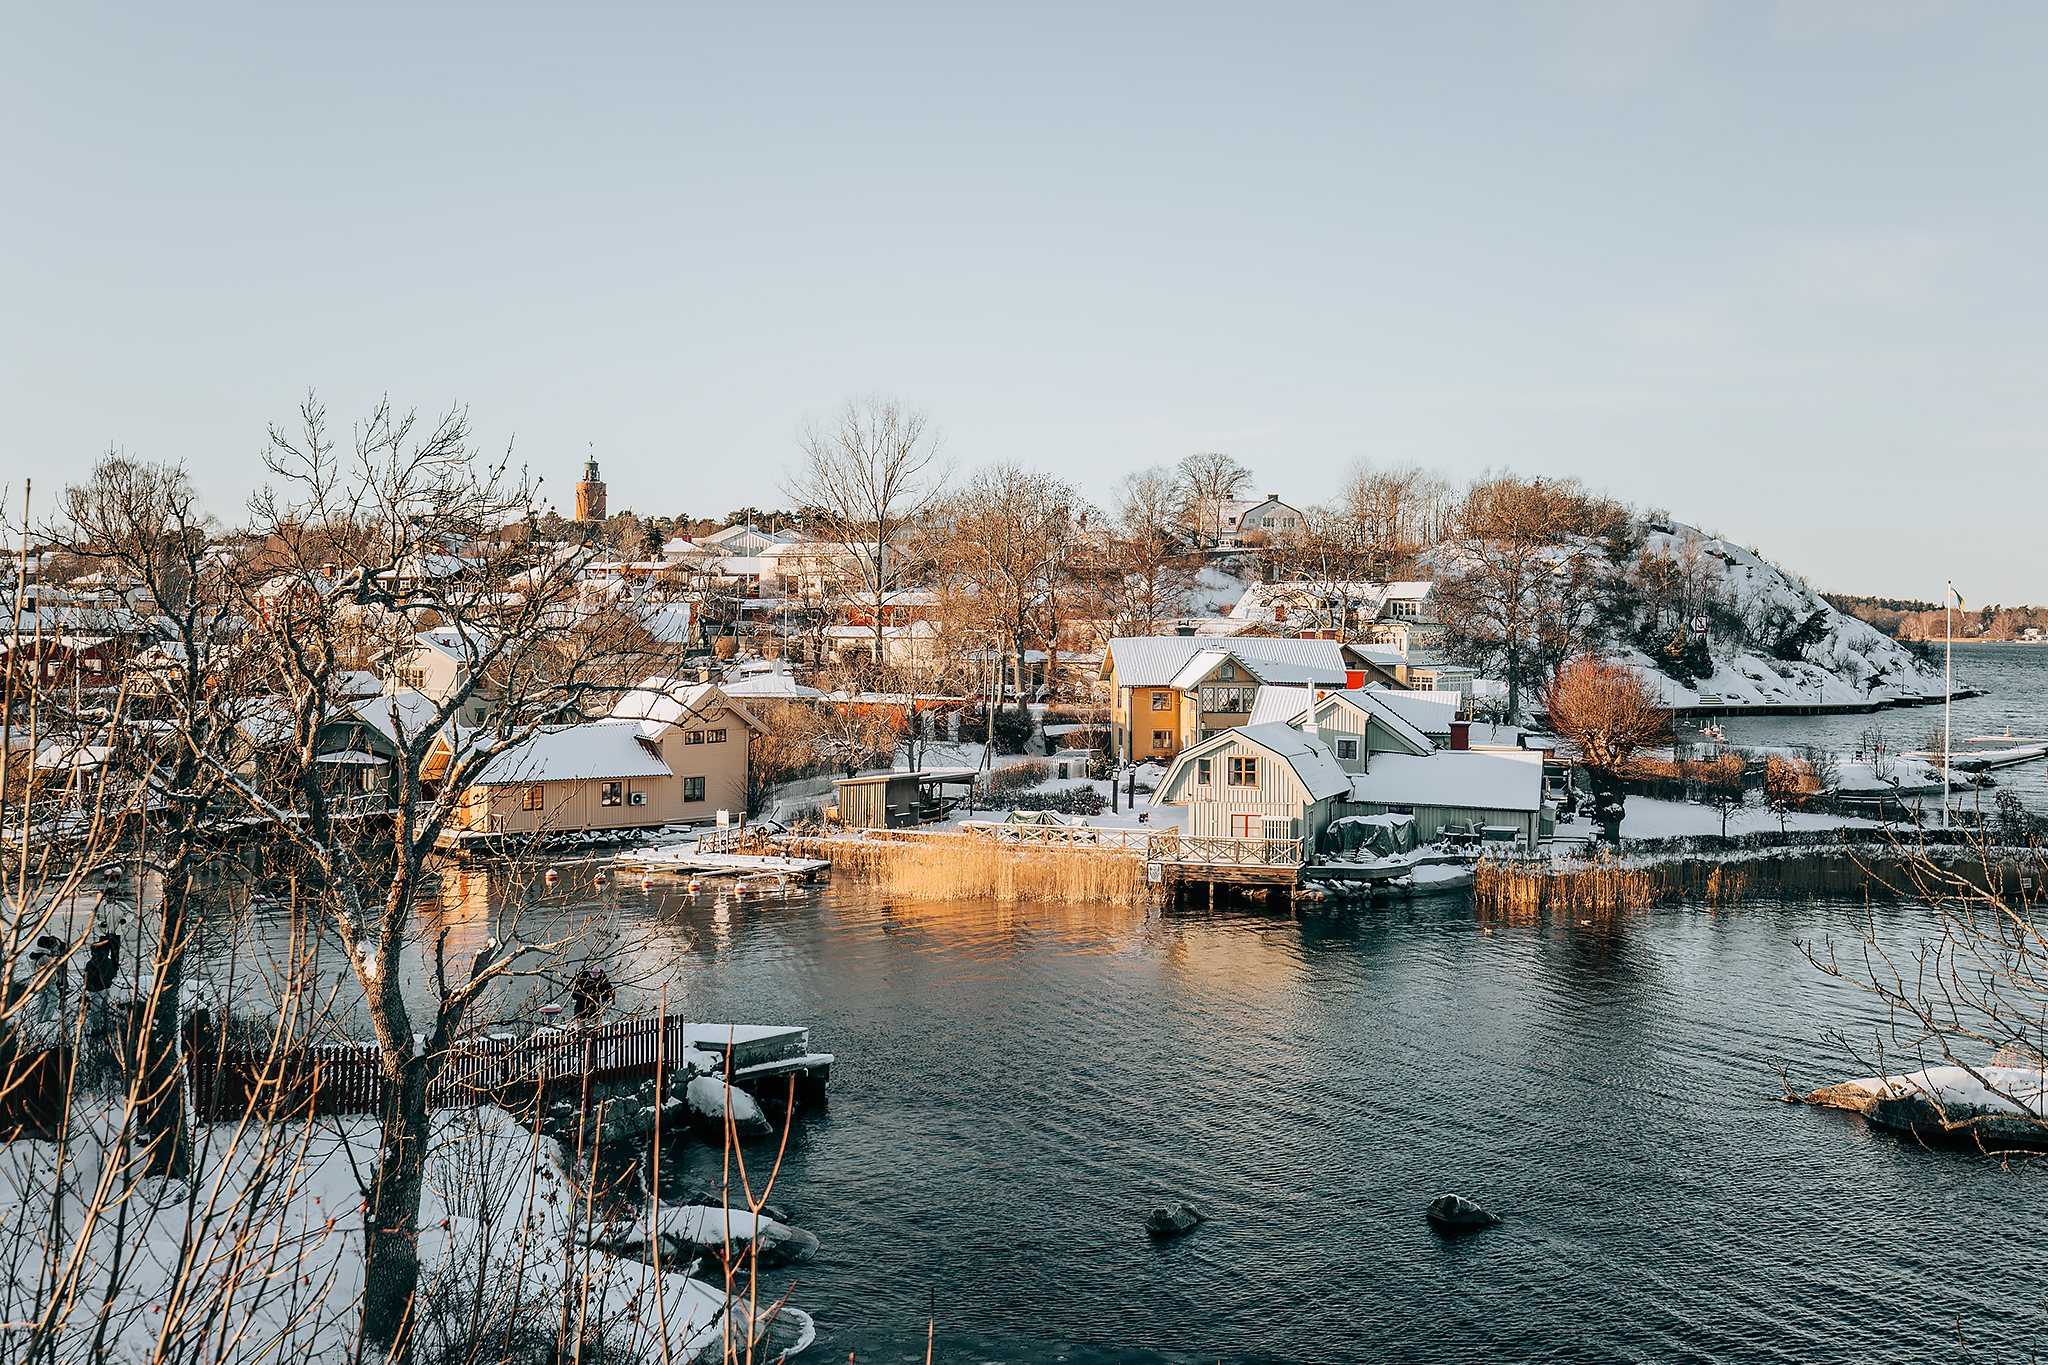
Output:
(1645, 817)
(601, 749)
(1953, 1087)
(1852, 662)
(1468, 779)
(711, 1097)
(274, 1218)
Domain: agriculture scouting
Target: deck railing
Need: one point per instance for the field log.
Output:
(348, 1078)
(1172, 846)
(1090, 837)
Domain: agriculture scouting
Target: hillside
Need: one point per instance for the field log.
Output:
(1757, 612)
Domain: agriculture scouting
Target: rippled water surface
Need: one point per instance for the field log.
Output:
(1016, 1084)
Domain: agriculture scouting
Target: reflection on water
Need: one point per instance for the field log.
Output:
(1017, 1084)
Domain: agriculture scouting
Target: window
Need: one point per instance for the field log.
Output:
(1347, 748)
(693, 736)
(693, 789)
(1289, 521)
(1202, 767)
(1267, 523)
(1244, 772)
(414, 678)
(714, 736)
(1162, 739)
(1246, 826)
(1404, 608)
(611, 793)
(1227, 673)
(1162, 701)
(533, 798)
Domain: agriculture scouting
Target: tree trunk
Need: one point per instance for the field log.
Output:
(163, 1091)
(391, 1227)
(1608, 804)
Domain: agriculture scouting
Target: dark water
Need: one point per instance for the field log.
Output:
(1017, 1084)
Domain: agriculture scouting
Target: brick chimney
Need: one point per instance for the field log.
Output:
(1461, 734)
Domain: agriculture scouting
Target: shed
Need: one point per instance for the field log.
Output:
(894, 800)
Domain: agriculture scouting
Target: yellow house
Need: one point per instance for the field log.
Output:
(1169, 691)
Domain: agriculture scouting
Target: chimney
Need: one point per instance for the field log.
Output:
(1461, 734)
(1279, 613)
(1183, 628)
(328, 568)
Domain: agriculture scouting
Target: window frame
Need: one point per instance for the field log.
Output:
(534, 797)
(1242, 771)
(1347, 749)
(1162, 701)
(1162, 740)
(693, 784)
(611, 793)
(714, 736)
(1204, 770)
(693, 736)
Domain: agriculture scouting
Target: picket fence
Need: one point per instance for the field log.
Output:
(347, 1078)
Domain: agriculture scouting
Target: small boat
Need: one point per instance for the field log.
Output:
(1454, 1213)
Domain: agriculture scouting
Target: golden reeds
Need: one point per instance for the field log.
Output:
(961, 867)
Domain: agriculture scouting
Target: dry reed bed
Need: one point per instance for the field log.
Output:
(959, 866)
(1604, 887)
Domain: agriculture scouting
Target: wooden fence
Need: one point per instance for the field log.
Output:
(348, 1078)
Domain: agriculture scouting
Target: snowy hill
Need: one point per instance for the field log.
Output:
(1841, 660)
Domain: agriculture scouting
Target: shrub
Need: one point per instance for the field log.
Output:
(1087, 737)
(1018, 776)
(1070, 801)
(1014, 728)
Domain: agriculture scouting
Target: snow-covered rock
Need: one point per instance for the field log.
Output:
(710, 1099)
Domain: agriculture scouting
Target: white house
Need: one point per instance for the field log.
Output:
(1268, 517)
(1387, 763)
(438, 663)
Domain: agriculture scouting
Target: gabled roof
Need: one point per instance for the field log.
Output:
(1274, 671)
(1317, 768)
(403, 709)
(1154, 660)
(598, 750)
(1374, 704)
(656, 703)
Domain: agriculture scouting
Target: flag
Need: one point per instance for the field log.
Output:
(1959, 598)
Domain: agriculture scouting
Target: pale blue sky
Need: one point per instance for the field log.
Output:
(1774, 266)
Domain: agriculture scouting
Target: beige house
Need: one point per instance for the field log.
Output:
(671, 753)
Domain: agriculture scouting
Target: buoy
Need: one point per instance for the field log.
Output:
(553, 876)
(695, 887)
(739, 889)
(601, 879)
(647, 883)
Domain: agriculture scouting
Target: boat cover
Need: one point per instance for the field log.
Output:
(1371, 836)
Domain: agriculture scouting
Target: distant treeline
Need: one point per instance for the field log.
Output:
(1907, 620)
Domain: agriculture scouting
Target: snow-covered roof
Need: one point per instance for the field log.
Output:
(775, 686)
(1431, 713)
(667, 622)
(1153, 660)
(657, 703)
(402, 709)
(1409, 589)
(598, 750)
(1317, 768)
(1475, 781)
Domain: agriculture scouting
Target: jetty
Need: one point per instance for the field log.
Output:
(715, 854)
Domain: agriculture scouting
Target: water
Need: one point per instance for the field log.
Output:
(2013, 680)
(1017, 1084)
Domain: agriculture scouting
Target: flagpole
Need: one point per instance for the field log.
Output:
(1948, 689)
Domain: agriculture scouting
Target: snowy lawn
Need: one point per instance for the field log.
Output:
(1648, 818)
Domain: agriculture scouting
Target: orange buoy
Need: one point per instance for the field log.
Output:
(553, 876)
(647, 883)
(695, 886)
(601, 879)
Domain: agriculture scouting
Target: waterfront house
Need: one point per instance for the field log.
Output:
(438, 663)
(1388, 763)
(671, 752)
(1155, 697)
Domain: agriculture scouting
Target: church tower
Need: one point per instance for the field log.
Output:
(590, 494)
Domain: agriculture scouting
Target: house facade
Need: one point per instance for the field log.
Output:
(1157, 690)
(670, 753)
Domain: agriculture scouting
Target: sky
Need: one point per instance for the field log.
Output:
(1772, 267)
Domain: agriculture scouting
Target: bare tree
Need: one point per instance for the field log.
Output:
(1006, 534)
(1150, 572)
(1207, 482)
(1610, 716)
(409, 499)
(873, 473)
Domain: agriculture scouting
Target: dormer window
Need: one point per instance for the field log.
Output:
(1227, 673)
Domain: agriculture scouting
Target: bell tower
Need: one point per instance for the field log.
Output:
(590, 494)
